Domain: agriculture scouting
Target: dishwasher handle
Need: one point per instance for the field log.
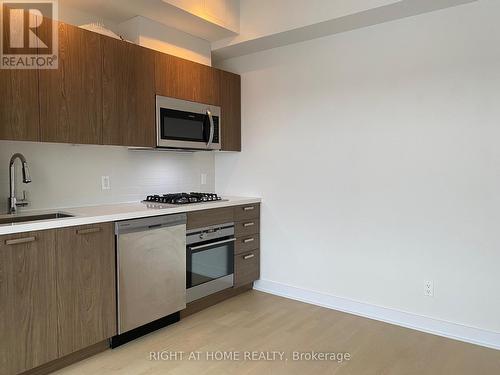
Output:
(149, 223)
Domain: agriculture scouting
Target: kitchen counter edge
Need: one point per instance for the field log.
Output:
(115, 212)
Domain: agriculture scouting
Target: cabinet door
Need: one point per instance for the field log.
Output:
(231, 111)
(184, 79)
(128, 94)
(246, 268)
(71, 96)
(19, 111)
(28, 311)
(86, 297)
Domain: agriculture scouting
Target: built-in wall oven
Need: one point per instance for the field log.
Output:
(182, 124)
(209, 260)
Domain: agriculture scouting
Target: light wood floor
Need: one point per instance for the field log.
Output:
(257, 321)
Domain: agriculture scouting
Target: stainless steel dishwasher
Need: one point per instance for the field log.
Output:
(151, 271)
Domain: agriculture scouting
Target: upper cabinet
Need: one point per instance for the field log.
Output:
(71, 96)
(230, 89)
(184, 79)
(19, 112)
(128, 94)
(103, 92)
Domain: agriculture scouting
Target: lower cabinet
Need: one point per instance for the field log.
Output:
(86, 297)
(57, 293)
(28, 309)
(246, 268)
(247, 244)
(246, 220)
(58, 287)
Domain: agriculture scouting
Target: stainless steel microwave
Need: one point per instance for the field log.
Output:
(182, 124)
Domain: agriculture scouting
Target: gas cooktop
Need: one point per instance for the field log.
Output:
(183, 198)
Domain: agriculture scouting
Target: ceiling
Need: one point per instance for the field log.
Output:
(119, 11)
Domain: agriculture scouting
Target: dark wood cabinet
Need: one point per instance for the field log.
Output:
(28, 310)
(103, 92)
(57, 293)
(213, 216)
(247, 244)
(19, 110)
(187, 80)
(230, 92)
(128, 94)
(247, 227)
(246, 268)
(86, 297)
(247, 212)
(71, 96)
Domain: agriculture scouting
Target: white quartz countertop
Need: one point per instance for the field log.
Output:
(113, 212)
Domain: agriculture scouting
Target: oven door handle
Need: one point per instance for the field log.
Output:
(194, 248)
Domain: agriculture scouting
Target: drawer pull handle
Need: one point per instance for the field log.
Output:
(249, 208)
(249, 240)
(88, 231)
(249, 224)
(20, 241)
(249, 256)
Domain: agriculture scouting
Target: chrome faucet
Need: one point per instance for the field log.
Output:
(13, 202)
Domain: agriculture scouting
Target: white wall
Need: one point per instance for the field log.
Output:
(69, 175)
(376, 153)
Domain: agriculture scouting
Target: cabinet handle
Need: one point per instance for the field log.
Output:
(249, 224)
(249, 256)
(19, 241)
(249, 240)
(88, 231)
(249, 208)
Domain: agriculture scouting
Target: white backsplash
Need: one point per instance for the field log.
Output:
(70, 175)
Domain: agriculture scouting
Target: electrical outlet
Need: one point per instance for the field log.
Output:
(203, 178)
(105, 184)
(429, 288)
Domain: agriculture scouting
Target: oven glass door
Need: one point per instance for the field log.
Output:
(210, 261)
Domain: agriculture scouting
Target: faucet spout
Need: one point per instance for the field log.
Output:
(13, 203)
(26, 173)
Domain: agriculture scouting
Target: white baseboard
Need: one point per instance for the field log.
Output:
(421, 323)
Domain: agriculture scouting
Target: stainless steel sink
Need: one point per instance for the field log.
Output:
(11, 219)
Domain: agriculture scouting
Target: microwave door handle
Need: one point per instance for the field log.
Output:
(211, 137)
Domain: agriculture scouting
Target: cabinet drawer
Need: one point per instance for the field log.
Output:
(246, 267)
(248, 211)
(247, 243)
(247, 227)
(214, 216)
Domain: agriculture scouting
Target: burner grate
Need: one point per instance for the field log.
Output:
(183, 198)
